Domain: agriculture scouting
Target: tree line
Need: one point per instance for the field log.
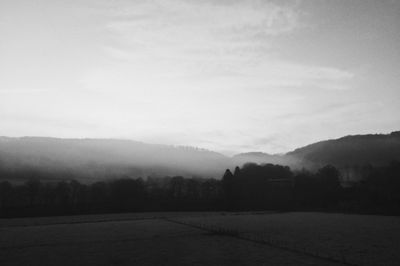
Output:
(250, 187)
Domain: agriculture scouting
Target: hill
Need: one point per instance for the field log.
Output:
(262, 158)
(348, 151)
(377, 149)
(100, 158)
(95, 159)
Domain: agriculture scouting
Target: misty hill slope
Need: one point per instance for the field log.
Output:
(375, 149)
(262, 158)
(104, 158)
(378, 149)
(256, 157)
(99, 157)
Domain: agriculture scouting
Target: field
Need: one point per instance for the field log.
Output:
(201, 239)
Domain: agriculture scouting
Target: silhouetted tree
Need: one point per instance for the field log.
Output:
(251, 187)
(228, 188)
(329, 185)
(5, 194)
(127, 194)
(33, 187)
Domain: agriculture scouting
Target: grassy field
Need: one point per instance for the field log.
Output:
(201, 239)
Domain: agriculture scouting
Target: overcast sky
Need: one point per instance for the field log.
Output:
(230, 76)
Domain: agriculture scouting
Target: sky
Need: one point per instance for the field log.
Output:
(230, 76)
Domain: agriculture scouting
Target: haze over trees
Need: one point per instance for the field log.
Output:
(46, 176)
(90, 160)
(95, 159)
(251, 187)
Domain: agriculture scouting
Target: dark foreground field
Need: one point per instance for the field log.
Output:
(202, 239)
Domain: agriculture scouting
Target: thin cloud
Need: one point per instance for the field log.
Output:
(22, 91)
(181, 27)
(207, 42)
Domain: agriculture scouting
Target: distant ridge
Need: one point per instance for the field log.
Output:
(104, 158)
(375, 149)
(97, 158)
(258, 157)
